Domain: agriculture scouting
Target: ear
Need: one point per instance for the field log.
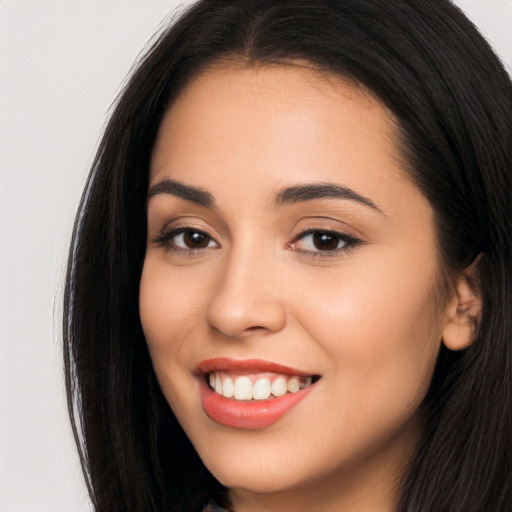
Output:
(463, 311)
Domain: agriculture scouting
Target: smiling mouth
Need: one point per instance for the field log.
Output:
(251, 387)
(250, 394)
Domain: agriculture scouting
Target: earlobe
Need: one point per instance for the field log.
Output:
(463, 316)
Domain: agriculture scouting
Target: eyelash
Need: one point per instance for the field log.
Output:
(165, 239)
(349, 243)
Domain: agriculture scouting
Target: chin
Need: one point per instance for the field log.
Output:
(257, 466)
(264, 466)
(256, 479)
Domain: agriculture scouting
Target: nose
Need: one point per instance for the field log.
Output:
(246, 300)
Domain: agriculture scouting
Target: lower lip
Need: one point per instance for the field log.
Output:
(249, 415)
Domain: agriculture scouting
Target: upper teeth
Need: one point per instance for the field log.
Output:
(255, 388)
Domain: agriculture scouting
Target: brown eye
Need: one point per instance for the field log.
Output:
(319, 243)
(326, 241)
(193, 240)
(186, 240)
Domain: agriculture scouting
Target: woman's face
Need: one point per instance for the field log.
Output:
(288, 250)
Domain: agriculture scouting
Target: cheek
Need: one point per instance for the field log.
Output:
(165, 318)
(168, 310)
(156, 307)
(379, 328)
(168, 304)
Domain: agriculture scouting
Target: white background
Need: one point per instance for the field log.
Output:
(61, 64)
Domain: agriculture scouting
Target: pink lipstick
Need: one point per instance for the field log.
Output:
(250, 394)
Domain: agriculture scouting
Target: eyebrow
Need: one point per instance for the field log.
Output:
(290, 195)
(309, 192)
(187, 192)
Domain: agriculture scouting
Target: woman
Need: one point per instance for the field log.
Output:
(289, 284)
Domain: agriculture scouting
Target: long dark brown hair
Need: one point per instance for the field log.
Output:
(453, 101)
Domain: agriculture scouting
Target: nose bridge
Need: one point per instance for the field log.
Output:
(246, 298)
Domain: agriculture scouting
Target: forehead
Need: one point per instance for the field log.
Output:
(274, 106)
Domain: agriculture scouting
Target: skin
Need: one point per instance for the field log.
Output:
(368, 318)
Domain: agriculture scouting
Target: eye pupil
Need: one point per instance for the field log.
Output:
(325, 241)
(195, 240)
